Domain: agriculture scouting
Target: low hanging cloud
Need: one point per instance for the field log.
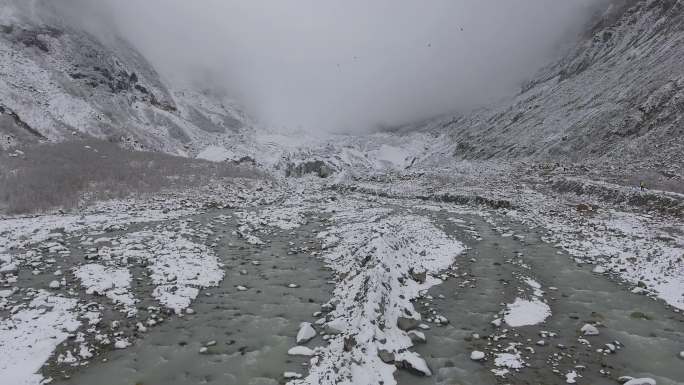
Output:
(345, 65)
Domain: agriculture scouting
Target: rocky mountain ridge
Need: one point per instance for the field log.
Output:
(58, 82)
(618, 94)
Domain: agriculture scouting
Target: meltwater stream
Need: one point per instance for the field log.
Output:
(253, 329)
(650, 335)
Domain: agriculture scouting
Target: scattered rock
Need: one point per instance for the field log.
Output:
(640, 315)
(414, 364)
(583, 207)
(262, 381)
(571, 377)
(300, 351)
(54, 285)
(386, 356)
(417, 337)
(349, 343)
(419, 275)
(639, 290)
(318, 167)
(291, 375)
(306, 333)
(477, 355)
(334, 327)
(641, 381)
(407, 324)
(589, 330)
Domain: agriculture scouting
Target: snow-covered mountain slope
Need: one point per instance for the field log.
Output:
(614, 101)
(619, 92)
(56, 82)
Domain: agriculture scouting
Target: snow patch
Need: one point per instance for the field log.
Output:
(29, 337)
(524, 312)
(109, 281)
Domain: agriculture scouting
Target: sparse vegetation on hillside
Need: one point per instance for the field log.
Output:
(60, 175)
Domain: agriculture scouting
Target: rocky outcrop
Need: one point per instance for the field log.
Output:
(316, 167)
(61, 81)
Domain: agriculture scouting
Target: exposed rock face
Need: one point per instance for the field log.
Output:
(58, 80)
(317, 167)
(13, 130)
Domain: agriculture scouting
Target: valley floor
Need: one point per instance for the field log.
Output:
(413, 279)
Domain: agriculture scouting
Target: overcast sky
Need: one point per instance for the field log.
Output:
(352, 64)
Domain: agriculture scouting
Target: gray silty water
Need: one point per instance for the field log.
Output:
(650, 334)
(253, 329)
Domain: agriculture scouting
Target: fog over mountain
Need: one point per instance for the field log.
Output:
(164, 221)
(349, 65)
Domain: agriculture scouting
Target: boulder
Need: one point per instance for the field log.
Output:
(589, 330)
(417, 337)
(419, 275)
(407, 324)
(300, 351)
(334, 327)
(414, 364)
(306, 333)
(349, 343)
(641, 381)
(386, 356)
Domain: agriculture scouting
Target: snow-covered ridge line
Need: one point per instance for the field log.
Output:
(383, 260)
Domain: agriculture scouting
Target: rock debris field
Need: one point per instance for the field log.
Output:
(301, 284)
